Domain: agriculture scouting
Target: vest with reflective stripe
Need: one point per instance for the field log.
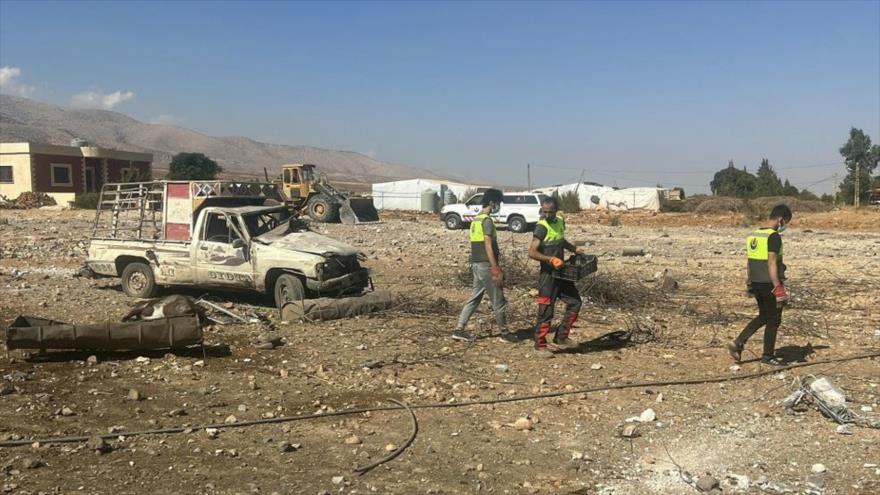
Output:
(758, 254)
(554, 243)
(478, 238)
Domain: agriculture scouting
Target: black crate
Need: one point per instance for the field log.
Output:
(577, 267)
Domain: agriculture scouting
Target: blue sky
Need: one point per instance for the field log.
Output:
(636, 93)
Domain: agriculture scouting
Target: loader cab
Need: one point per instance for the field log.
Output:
(297, 179)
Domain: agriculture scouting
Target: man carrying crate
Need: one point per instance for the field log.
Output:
(548, 246)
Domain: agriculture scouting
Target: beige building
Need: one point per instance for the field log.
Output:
(65, 171)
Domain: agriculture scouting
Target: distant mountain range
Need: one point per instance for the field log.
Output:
(23, 119)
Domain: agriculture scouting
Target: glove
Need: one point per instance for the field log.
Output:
(497, 275)
(556, 262)
(781, 295)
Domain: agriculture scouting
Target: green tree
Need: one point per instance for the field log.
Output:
(858, 151)
(789, 190)
(808, 195)
(731, 181)
(193, 166)
(767, 182)
(827, 198)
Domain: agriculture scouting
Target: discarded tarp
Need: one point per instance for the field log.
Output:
(28, 332)
(329, 308)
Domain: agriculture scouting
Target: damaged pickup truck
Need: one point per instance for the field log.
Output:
(216, 235)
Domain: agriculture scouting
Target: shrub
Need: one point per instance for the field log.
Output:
(86, 201)
(570, 202)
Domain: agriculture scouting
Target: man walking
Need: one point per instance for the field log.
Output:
(548, 246)
(488, 277)
(766, 272)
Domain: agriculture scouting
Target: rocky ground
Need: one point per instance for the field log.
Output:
(735, 436)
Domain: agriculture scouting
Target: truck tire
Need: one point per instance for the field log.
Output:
(323, 209)
(517, 224)
(453, 221)
(138, 280)
(288, 288)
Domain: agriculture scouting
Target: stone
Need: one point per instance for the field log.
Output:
(6, 389)
(630, 430)
(264, 346)
(98, 444)
(134, 395)
(647, 416)
(212, 432)
(230, 419)
(523, 424)
(816, 481)
(337, 479)
(707, 483)
(818, 468)
(502, 368)
(846, 429)
(353, 440)
(92, 360)
(285, 447)
(30, 463)
(66, 411)
(596, 366)
(390, 447)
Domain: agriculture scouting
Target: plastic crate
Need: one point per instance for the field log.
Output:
(576, 267)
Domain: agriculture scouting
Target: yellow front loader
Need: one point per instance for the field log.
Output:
(320, 200)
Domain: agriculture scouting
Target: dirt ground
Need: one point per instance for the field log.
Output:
(736, 432)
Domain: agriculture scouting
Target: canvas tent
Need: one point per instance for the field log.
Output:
(594, 196)
(407, 194)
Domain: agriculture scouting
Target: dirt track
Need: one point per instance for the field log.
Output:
(574, 447)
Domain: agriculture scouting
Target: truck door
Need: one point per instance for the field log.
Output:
(222, 253)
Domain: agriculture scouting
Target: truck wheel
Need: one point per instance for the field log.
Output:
(453, 221)
(323, 209)
(517, 224)
(138, 281)
(288, 288)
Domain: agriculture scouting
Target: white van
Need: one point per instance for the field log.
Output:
(519, 210)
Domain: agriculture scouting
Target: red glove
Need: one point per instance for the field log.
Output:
(781, 295)
(497, 275)
(556, 262)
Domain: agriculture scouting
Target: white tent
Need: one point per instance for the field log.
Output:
(594, 197)
(407, 194)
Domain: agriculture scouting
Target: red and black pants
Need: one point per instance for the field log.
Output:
(549, 290)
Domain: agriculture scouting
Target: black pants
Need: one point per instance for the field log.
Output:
(769, 316)
(549, 290)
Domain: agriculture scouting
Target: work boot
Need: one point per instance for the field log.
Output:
(463, 336)
(508, 337)
(772, 361)
(735, 351)
(544, 353)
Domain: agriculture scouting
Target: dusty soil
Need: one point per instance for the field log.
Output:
(734, 428)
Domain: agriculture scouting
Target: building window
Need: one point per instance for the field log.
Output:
(61, 174)
(129, 174)
(6, 174)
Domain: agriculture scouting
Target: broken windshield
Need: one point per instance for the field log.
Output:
(260, 223)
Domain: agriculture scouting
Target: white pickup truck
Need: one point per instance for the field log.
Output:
(519, 210)
(216, 235)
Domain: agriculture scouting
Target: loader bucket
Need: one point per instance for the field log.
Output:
(353, 211)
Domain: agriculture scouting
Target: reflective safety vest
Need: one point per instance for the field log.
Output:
(554, 243)
(758, 254)
(478, 238)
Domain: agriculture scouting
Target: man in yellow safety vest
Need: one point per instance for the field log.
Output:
(488, 277)
(766, 272)
(548, 246)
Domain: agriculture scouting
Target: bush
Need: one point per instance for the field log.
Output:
(86, 201)
(668, 206)
(570, 202)
(466, 195)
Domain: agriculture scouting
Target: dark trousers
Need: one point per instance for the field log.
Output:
(549, 290)
(769, 316)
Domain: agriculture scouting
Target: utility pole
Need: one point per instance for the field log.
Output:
(529, 175)
(835, 190)
(856, 195)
